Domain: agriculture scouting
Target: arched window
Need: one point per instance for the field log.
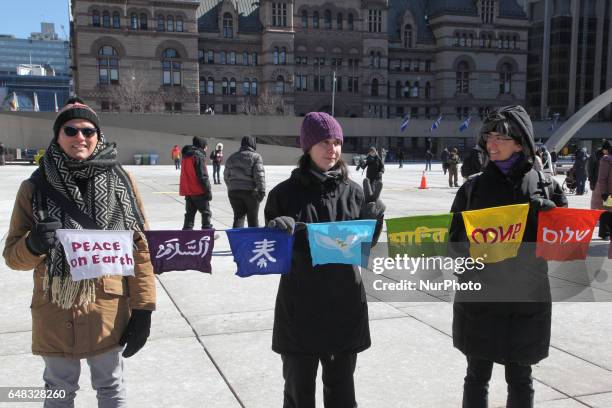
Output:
(95, 18)
(108, 65)
(398, 89)
(116, 20)
(144, 21)
(161, 23)
(246, 87)
(228, 26)
(106, 22)
(283, 56)
(134, 21)
(275, 56)
(407, 88)
(374, 90)
(254, 87)
(233, 86)
(170, 23)
(245, 58)
(179, 24)
(171, 67)
(407, 36)
(280, 85)
(462, 78)
(427, 90)
(349, 22)
(514, 39)
(327, 19)
(505, 79)
(232, 58)
(315, 19)
(210, 85)
(339, 21)
(304, 19)
(222, 60)
(372, 59)
(415, 89)
(224, 87)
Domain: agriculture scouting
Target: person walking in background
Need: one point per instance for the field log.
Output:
(400, 158)
(453, 167)
(217, 159)
(428, 157)
(593, 164)
(444, 159)
(372, 183)
(176, 156)
(80, 184)
(195, 184)
(580, 169)
(603, 188)
(332, 325)
(245, 178)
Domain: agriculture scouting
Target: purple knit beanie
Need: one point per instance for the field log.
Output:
(318, 126)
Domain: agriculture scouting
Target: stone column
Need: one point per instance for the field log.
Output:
(600, 11)
(571, 99)
(545, 59)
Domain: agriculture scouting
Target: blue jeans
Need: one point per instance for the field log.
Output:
(63, 373)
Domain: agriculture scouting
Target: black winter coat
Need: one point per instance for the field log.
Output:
(504, 331)
(375, 167)
(321, 309)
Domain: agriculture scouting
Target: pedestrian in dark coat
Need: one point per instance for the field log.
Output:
(444, 159)
(372, 184)
(195, 184)
(321, 312)
(502, 329)
(596, 199)
(453, 167)
(580, 169)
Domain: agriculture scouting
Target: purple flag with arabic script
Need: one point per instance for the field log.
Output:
(181, 250)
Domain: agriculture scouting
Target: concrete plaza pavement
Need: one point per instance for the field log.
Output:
(211, 334)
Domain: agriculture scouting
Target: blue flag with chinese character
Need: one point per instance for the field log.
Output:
(340, 242)
(261, 251)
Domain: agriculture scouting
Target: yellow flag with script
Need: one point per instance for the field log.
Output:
(495, 233)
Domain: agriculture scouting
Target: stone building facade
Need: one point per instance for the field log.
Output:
(359, 58)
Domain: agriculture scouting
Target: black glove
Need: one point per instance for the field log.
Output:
(43, 236)
(283, 222)
(136, 332)
(604, 196)
(373, 211)
(542, 204)
(259, 195)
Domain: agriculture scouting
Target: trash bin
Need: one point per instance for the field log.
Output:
(145, 159)
(154, 158)
(138, 159)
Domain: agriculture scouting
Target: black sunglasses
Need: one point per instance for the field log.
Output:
(71, 131)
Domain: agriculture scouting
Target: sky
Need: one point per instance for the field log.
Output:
(22, 17)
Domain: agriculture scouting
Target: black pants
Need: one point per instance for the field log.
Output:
(476, 385)
(605, 225)
(194, 204)
(177, 164)
(300, 374)
(244, 203)
(216, 171)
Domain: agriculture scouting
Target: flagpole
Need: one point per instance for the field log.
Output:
(333, 93)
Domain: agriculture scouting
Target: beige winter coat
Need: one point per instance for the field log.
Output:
(86, 330)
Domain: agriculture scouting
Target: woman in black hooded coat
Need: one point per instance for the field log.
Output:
(321, 312)
(509, 321)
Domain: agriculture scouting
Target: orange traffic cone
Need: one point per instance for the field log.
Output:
(423, 185)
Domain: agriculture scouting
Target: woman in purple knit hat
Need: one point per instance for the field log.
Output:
(321, 312)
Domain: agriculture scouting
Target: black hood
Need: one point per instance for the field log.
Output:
(513, 121)
(188, 150)
(248, 141)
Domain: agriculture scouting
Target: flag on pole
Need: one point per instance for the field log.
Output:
(36, 106)
(14, 103)
(56, 107)
(436, 124)
(553, 122)
(465, 124)
(261, 251)
(405, 123)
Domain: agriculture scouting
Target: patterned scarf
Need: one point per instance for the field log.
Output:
(109, 200)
